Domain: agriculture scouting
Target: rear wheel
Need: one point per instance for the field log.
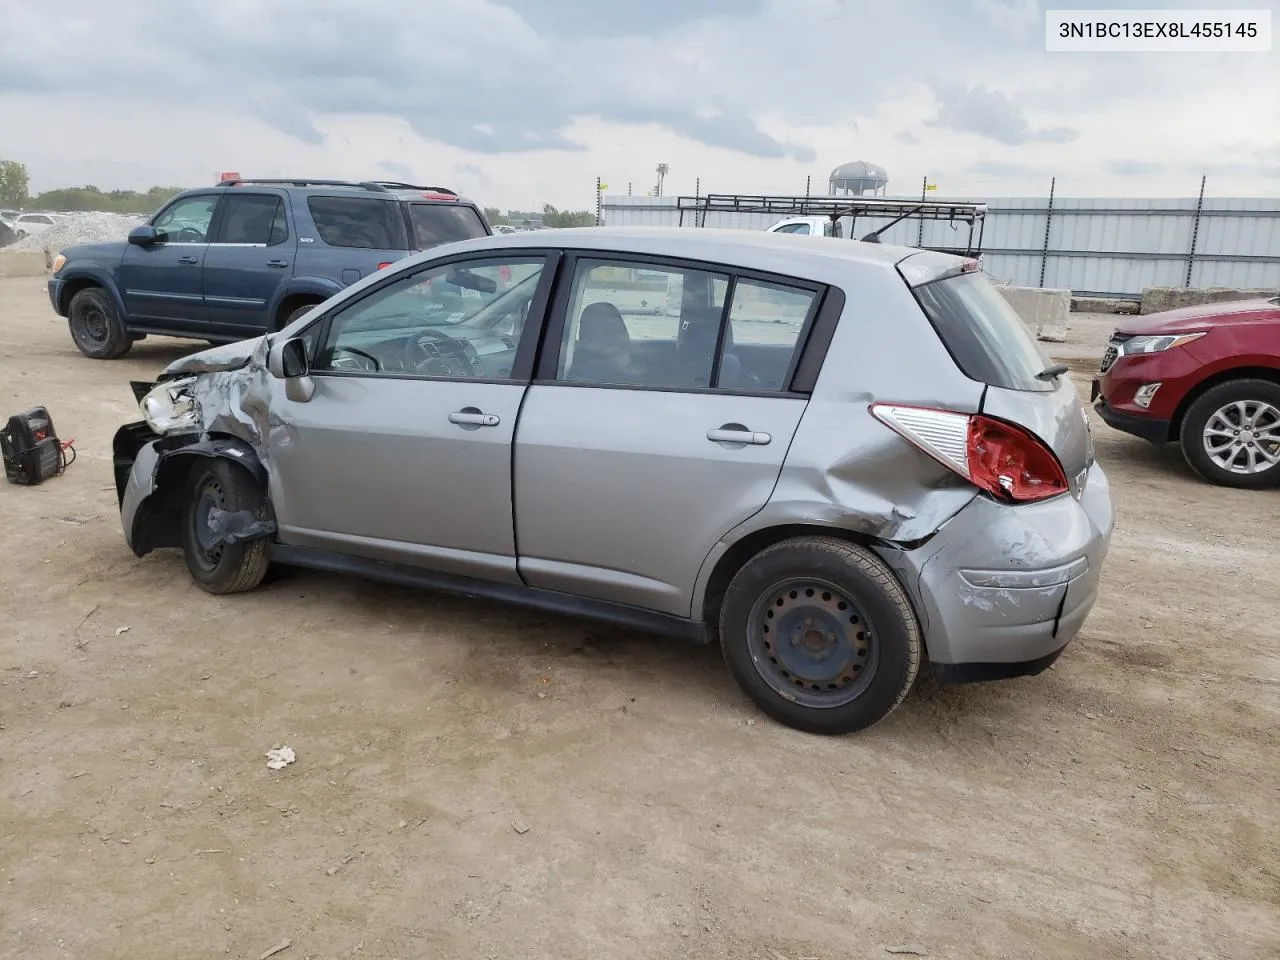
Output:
(1231, 434)
(296, 312)
(820, 635)
(220, 567)
(95, 325)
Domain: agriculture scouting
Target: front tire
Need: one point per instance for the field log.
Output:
(1231, 434)
(820, 635)
(220, 568)
(95, 325)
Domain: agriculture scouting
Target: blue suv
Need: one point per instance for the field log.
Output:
(233, 261)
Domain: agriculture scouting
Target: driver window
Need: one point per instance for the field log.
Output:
(459, 320)
(187, 221)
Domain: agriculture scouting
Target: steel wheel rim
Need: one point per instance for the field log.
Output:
(1243, 437)
(93, 324)
(811, 643)
(208, 497)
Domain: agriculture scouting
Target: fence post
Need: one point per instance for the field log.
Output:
(597, 201)
(1048, 221)
(924, 187)
(807, 181)
(1195, 233)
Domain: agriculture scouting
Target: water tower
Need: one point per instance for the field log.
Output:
(858, 179)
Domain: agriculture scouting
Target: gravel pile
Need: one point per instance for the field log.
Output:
(78, 228)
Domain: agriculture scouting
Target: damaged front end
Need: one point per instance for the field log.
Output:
(209, 405)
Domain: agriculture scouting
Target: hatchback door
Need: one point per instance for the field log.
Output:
(645, 438)
(991, 344)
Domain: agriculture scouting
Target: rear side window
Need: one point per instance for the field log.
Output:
(253, 218)
(984, 335)
(437, 223)
(358, 222)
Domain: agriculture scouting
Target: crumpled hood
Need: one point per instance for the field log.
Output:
(227, 356)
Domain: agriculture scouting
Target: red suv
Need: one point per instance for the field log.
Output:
(1207, 377)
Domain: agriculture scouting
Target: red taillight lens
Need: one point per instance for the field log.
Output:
(1007, 461)
(440, 196)
(1011, 462)
(384, 264)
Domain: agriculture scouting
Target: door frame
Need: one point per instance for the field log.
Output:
(814, 337)
(530, 336)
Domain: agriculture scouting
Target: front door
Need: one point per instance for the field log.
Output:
(403, 453)
(163, 283)
(646, 438)
(248, 261)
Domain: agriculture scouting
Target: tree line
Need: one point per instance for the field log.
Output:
(15, 185)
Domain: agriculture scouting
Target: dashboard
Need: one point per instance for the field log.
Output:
(429, 353)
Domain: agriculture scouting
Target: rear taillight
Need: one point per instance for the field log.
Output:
(1007, 461)
(384, 264)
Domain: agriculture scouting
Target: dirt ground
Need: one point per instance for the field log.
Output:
(478, 782)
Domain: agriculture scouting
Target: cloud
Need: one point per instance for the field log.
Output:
(405, 173)
(1137, 168)
(906, 136)
(991, 114)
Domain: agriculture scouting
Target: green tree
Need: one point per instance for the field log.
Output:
(494, 216)
(14, 183)
(551, 217)
(114, 201)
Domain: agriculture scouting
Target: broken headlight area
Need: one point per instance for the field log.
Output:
(171, 407)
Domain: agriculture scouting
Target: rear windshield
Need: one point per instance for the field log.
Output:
(358, 222)
(437, 223)
(984, 335)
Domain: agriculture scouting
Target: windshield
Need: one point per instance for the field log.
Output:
(437, 223)
(985, 337)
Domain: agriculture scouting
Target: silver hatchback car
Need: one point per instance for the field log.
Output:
(836, 459)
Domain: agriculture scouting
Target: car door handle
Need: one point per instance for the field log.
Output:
(277, 263)
(735, 434)
(468, 418)
(188, 260)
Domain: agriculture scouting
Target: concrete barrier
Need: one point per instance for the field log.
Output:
(1043, 311)
(1160, 299)
(33, 263)
(1104, 305)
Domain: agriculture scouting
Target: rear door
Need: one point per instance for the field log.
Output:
(992, 345)
(163, 283)
(645, 438)
(248, 261)
(344, 238)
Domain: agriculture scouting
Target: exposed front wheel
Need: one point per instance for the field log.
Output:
(1231, 434)
(820, 635)
(216, 486)
(95, 325)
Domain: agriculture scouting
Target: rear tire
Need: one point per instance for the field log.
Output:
(222, 568)
(95, 325)
(1231, 434)
(296, 312)
(820, 635)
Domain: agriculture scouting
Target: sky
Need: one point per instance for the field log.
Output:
(516, 103)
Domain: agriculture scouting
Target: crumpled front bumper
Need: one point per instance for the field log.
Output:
(135, 459)
(1001, 590)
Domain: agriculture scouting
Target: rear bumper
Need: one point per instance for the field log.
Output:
(1001, 590)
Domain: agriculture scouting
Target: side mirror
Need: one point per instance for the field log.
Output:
(144, 235)
(287, 361)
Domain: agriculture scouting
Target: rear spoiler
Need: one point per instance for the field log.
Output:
(928, 266)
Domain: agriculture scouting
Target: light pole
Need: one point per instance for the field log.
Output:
(662, 173)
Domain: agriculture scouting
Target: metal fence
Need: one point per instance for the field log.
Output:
(1094, 247)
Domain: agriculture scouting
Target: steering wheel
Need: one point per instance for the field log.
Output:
(190, 235)
(359, 353)
(418, 358)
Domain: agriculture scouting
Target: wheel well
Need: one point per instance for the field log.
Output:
(736, 557)
(71, 288)
(292, 303)
(1225, 376)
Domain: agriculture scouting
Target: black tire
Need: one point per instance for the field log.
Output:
(296, 312)
(1259, 402)
(827, 586)
(95, 325)
(222, 568)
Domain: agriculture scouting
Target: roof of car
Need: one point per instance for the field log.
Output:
(704, 243)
